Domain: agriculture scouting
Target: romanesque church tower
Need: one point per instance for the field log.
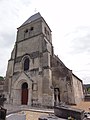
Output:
(35, 75)
(29, 75)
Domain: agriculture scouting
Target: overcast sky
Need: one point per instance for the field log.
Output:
(69, 21)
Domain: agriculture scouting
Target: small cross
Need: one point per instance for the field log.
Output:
(35, 10)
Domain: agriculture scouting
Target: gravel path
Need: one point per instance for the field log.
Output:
(83, 105)
(33, 115)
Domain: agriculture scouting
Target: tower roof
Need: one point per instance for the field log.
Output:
(32, 18)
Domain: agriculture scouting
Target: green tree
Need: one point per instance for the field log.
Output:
(1, 78)
(88, 90)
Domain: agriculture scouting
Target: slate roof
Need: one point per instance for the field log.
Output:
(32, 18)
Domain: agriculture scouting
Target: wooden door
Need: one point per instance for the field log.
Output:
(24, 94)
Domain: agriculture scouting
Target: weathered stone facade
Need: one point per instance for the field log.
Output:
(34, 72)
(70, 86)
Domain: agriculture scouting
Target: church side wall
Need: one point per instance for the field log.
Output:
(78, 90)
(70, 91)
(66, 89)
(62, 79)
(63, 89)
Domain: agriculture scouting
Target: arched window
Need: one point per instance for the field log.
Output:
(26, 64)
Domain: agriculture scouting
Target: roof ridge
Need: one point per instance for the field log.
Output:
(32, 18)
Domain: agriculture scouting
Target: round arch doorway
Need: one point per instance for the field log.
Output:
(24, 93)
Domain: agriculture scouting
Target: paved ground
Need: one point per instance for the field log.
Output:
(83, 105)
(31, 115)
(34, 113)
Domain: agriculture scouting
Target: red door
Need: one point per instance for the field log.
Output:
(24, 94)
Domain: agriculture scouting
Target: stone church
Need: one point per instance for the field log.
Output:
(35, 76)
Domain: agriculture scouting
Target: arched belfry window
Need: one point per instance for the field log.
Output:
(26, 64)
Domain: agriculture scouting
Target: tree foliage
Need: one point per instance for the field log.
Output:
(1, 78)
(88, 90)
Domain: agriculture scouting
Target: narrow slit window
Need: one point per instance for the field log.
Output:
(26, 64)
(31, 28)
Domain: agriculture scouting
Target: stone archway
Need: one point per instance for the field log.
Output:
(24, 94)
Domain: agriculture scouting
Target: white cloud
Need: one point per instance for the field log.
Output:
(70, 24)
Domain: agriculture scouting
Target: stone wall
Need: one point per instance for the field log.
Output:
(71, 90)
(78, 89)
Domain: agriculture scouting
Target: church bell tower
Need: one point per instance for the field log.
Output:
(29, 74)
